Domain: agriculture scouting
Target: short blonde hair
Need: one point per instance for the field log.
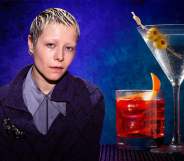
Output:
(55, 15)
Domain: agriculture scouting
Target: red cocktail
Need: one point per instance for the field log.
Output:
(139, 115)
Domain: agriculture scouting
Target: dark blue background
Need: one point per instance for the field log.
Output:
(110, 52)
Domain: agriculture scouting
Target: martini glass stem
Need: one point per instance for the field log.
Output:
(176, 138)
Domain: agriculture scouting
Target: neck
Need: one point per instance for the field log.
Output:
(41, 83)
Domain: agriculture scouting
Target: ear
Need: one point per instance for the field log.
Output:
(30, 44)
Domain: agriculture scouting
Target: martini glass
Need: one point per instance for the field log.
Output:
(167, 46)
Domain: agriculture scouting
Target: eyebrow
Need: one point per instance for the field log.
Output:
(47, 39)
(74, 45)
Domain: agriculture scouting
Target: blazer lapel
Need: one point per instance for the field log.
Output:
(15, 109)
(73, 91)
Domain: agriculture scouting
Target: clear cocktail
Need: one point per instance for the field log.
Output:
(166, 42)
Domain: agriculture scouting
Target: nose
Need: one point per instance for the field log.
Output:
(59, 55)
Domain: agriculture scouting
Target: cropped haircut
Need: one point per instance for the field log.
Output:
(52, 15)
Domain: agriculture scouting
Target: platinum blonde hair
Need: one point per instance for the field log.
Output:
(52, 15)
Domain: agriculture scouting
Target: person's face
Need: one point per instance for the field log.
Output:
(53, 51)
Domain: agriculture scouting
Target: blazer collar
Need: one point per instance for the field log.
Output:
(61, 93)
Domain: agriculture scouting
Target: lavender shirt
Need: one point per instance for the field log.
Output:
(43, 110)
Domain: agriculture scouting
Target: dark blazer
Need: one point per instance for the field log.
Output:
(74, 137)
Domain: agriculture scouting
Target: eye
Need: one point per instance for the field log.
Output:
(50, 45)
(69, 49)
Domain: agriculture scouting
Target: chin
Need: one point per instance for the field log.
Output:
(54, 78)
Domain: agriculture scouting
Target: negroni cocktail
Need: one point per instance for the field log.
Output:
(139, 118)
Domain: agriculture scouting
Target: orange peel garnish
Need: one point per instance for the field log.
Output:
(155, 84)
(155, 88)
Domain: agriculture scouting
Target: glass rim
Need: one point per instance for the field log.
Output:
(146, 92)
(139, 27)
(132, 90)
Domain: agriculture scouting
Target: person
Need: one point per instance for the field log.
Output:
(46, 113)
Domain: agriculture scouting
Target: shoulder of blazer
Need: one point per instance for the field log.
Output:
(3, 91)
(94, 92)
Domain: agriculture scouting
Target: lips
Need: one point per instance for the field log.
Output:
(59, 67)
(56, 69)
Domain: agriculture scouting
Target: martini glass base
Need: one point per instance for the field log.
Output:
(169, 149)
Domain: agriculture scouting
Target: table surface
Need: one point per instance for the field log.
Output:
(112, 153)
